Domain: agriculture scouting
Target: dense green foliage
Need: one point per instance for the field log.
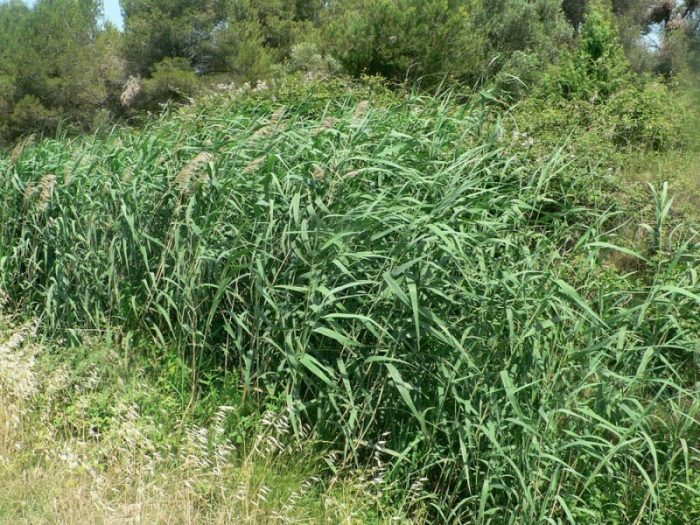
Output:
(593, 96)
(87, 75)
(55, 64)
(430, 39)
(397, 274)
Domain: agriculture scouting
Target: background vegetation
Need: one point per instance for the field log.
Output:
(60, 66)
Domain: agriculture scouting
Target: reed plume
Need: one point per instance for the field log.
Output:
(183, 178)
(46, 186)
(361, 110)
(20, 147)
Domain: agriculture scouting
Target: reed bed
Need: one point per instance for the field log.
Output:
(404, 278)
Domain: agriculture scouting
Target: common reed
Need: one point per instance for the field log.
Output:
(448, 287)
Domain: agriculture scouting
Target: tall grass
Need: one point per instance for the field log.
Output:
(409, 284)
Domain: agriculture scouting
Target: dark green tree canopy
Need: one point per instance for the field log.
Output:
(56, 63)
(59, 63)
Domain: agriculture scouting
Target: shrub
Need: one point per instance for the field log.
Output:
(238, 50)
(172, 79)
(640, 116)
(596, 68)
(429, 40)
(593, 97)
(307, 58)
(7, 92)
(522, 38)
(519, 74)
(650, 115)
(30, 114)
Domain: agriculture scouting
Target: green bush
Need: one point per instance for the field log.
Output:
(307, 58)
(650, 115)
(30, 114)
(522, 38)
(519, 74)
(640, 116)
(596, 68)
(7, 92)
(238, 50)
(593, 98)
(172, 79)
(56, 65)
(429, 40)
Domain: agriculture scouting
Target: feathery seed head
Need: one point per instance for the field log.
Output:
(185, 175)
(254, 165)
(47, 184)
(361, 110)
(319, 174)
(20, 147)
(132, 89)
(30, 190)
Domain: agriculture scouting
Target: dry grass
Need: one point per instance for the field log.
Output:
(132, 89)
(680, 170)
(124, 476)
(361, 111)
(19, 148)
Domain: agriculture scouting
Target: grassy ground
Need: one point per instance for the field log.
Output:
(87, 437)
(682, 171)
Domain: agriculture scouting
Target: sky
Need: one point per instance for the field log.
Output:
(112, 12)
